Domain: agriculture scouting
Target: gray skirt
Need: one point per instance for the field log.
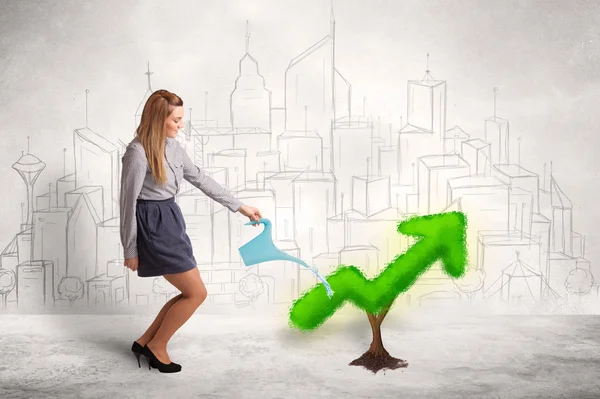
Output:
(163, 244)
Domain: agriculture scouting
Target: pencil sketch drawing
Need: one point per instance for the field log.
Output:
(334, 181)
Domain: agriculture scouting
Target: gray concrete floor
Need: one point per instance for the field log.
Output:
(254, 354)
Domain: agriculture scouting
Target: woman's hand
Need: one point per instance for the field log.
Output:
(252, 213)
(131, 263)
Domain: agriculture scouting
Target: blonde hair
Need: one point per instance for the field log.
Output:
(152, 133)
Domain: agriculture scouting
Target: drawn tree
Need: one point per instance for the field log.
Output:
(471, 282)
(579, 282)
(7, 284)
(440, 236)
(71, 289)
(251, 286)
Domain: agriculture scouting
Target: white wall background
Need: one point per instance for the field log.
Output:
(542, 56)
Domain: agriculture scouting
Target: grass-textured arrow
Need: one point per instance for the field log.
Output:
(441, 236)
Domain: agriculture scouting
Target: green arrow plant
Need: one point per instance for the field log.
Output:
(441, 236)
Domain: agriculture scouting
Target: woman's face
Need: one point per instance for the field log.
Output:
(174, 122)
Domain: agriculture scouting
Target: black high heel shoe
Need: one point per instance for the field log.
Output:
(162, 367)
(137, 350)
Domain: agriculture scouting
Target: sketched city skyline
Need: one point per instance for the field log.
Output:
(334, 183)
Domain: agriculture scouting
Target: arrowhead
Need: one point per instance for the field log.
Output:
(445, 234)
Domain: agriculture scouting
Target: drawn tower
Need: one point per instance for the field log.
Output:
(29, 167)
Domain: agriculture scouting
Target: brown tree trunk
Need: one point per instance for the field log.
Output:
(376, 348)
(377, 357)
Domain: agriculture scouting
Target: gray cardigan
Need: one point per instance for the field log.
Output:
(137, 182)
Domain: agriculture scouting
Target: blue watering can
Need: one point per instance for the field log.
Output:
(261, 249)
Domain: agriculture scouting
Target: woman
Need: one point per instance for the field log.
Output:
(153, 231)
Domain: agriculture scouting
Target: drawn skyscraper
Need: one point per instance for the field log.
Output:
(427, 105)
(426, 124)
(496, 133)
(97, 163)
(250, 101)
(315, 92)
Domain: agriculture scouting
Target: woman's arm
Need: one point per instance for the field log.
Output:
(133, 174)
(207, 185)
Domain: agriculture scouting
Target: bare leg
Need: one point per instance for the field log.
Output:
(193, 294)
(149, 334)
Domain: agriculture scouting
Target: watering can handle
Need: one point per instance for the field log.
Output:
(264, 221)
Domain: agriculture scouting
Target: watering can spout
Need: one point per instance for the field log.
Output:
(262, 249)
